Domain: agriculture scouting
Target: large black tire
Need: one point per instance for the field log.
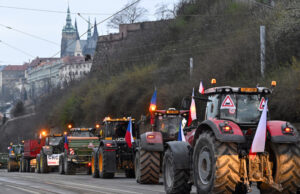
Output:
(286, 168)
(69, 168)
(149, 167)
(26, 164)
(103, 163)
(9, 165)
(21, 169)
(216, 165)
(175, 181)
(61, 169)
(95, 168)
(137, 168)
(43, 163)
(38, 166)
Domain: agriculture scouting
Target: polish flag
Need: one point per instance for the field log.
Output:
(201, 88)
(128, 136)
(259, 141)
(192, 113)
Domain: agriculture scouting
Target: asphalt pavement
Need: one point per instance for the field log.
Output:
(16, 183)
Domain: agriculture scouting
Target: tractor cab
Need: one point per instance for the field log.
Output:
(17, 149)
(168, 121)
(82, 132)
(115, 128)
(240, 105)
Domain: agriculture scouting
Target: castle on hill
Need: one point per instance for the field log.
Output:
(72, 45)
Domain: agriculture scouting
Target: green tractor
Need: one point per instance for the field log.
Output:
(3, 160)
(14, 155)
(113, 154)
(78, 148)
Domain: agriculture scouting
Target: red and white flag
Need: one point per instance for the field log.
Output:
(128, 136)
(192, 113)
(201, 88)
(259, 141)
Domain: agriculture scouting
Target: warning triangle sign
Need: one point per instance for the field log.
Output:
(227, 103)
(262, 104)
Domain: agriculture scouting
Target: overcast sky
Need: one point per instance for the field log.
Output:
(49, 25)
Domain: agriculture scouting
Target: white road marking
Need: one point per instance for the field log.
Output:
(22, 189)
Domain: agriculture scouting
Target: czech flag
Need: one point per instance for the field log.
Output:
(181, 136)
(128, 136)
(259, 141)
(201, 88)
(66, 145)
(192, 113)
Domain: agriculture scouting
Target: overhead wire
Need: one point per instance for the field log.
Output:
(15, 48)
(28, 34)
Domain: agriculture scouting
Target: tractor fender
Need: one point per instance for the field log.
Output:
(182, 154)
(47, 150)
(276, 134)
(236, 136)
(155, 143)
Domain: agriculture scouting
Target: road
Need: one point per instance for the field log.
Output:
(16, 183)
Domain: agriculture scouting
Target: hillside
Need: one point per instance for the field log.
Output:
(222, 37)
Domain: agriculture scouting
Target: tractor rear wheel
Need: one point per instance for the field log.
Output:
(148, 167)
(286, 168)
(137, 168)
(61, 169)
(21, 169)
(69, 168)
(43, 163)
(103, 163)
(95, 169)
(216, 165)
(175, 180)
(9, 165)
(38, 166)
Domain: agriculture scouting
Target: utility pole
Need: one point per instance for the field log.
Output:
(191, 67)
(262, 50)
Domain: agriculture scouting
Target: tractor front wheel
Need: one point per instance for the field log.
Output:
(95, 169)
(61, 169)
(68, 166)
(216, 165)
(43, 163)
(38, 166)
(103, 161)
(175, 181)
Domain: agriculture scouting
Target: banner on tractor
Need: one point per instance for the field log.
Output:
(53, 160)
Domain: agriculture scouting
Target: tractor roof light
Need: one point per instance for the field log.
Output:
(273, 83)
(43, 133)
(213, 81)
(97, 126)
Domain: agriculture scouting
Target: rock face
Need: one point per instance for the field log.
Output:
(115, 51)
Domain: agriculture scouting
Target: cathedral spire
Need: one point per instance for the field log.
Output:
(69, 28)
(89, 34)
(95, 35)
(76, 29)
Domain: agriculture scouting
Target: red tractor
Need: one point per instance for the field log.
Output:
(161, 127)
(217, 157)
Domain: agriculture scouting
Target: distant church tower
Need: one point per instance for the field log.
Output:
(68, 33)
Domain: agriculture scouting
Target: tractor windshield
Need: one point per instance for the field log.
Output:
(82, 134)
(18, 149)
(168, 124)
(118, 129)
(241, 108)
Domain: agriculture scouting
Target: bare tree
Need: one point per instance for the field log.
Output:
(128, 16)
(164, 11)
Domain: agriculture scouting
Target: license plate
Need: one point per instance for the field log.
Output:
(53, 160)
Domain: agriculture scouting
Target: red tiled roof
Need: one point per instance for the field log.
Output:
(15, 68)
(37, 61)
(73, 59)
